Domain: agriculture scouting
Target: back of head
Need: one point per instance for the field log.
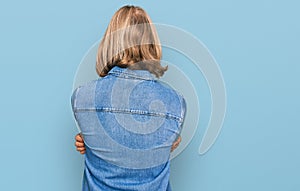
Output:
(130, 41)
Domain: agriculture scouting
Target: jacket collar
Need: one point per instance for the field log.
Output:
(128, 73)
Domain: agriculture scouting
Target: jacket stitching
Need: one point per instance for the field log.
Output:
(130, 111)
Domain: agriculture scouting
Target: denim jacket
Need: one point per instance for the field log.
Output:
(129, 121)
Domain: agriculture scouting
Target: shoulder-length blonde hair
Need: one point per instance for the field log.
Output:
(130, 40)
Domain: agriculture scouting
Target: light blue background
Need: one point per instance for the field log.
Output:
(256, 44)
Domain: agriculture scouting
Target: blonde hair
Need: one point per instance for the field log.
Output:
(130, 40)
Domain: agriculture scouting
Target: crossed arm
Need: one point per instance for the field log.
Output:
(79, 143)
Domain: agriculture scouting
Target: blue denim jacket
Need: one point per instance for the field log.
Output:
(129, 121)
